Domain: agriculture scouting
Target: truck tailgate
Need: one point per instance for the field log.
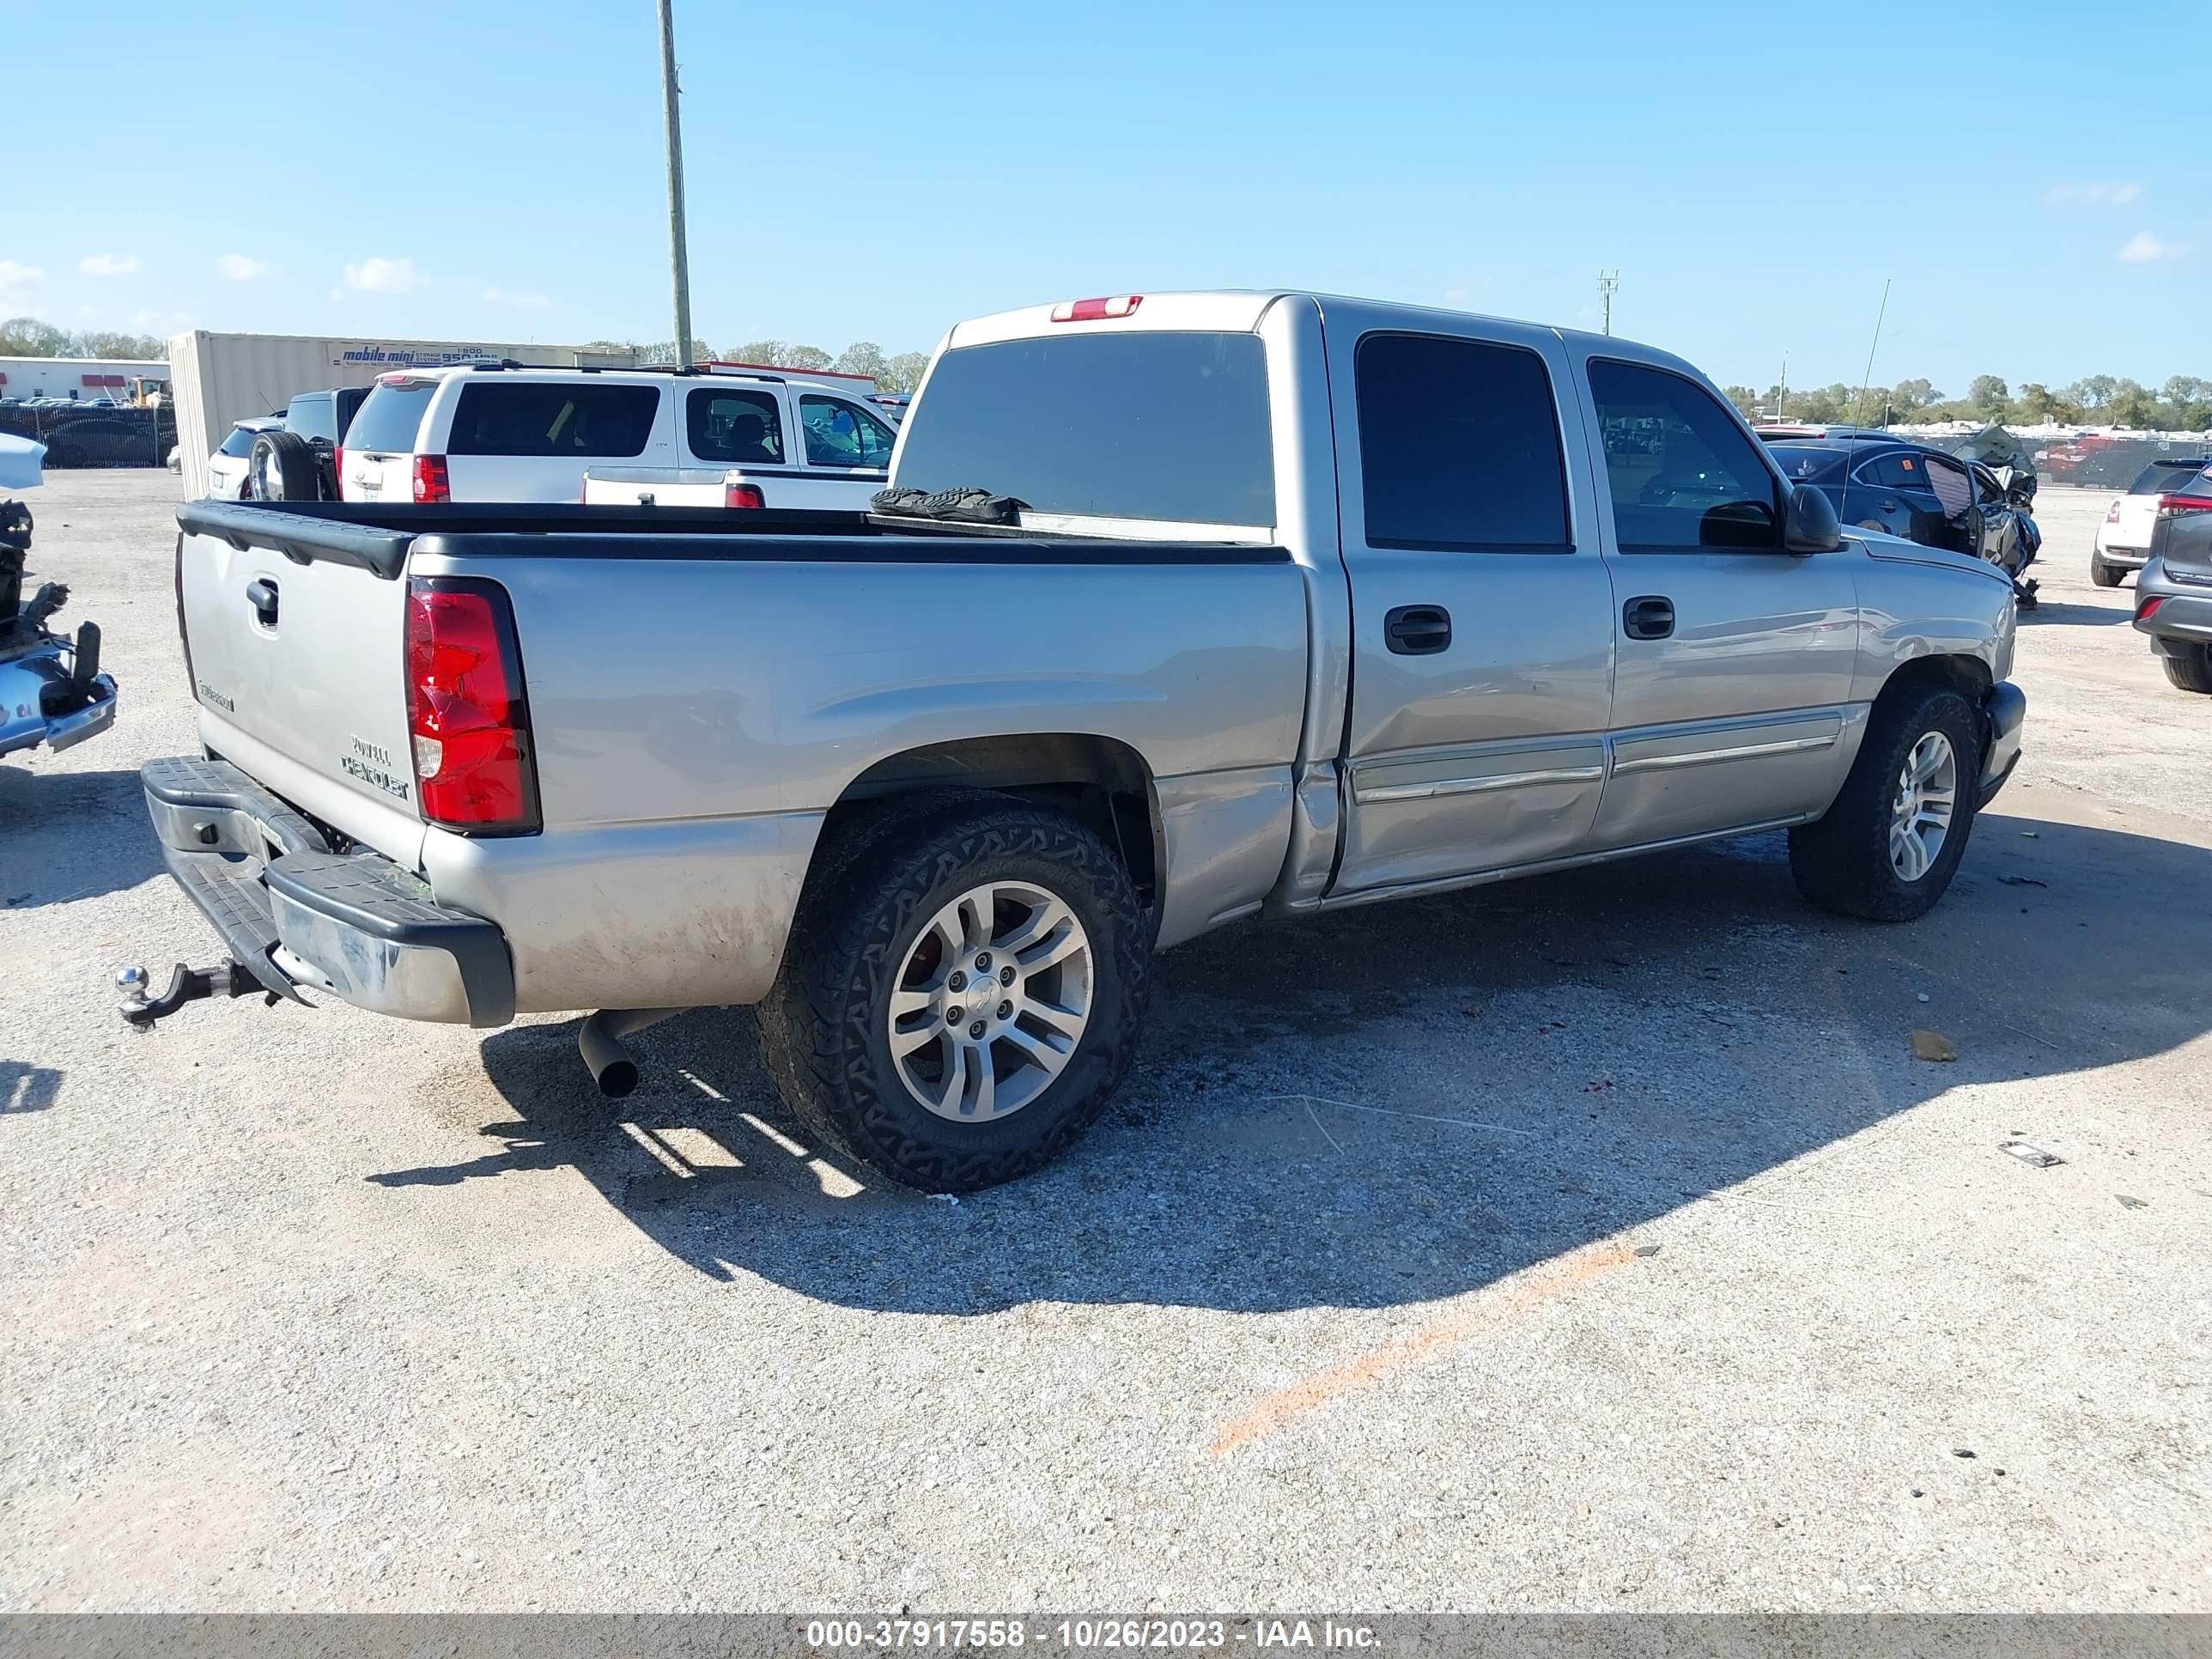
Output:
(296, 638)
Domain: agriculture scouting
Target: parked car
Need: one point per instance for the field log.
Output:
(227, 466)
(1189, 626)
(107, 437)
(2122, 541)
(1920, 493)
(296, 459)
(2173, 595)
(486, 433)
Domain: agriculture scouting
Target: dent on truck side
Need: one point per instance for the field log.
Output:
(1917, 603)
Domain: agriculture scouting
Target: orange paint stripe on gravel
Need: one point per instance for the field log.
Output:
(1491, 1312)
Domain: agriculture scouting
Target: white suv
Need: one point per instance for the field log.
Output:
(487, 433)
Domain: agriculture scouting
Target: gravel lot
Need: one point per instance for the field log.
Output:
(1590, 1243)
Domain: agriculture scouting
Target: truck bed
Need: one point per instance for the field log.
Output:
(704, 687)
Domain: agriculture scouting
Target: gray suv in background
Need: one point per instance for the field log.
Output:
(2173, 595)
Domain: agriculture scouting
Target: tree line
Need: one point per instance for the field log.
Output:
(2184, 403)
(902, 372)
(27, 336)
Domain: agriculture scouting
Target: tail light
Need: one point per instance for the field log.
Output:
(337, 472)
(2112, 513)
(2149, 607)
(2172, 506)
(432, 482)
(474, 770)
(1094, 311)
(746, 495)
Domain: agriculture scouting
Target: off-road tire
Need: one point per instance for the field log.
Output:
(1841, 861)
(2191, 672)
(289, 460)
(887, 872)
(2105, 575)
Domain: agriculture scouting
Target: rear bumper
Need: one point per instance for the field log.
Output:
(2005, 714)
(41, 700)
(2122, 558)
(297, 915)
(2182, 618)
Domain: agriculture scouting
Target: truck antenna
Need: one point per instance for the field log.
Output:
(1867, 379)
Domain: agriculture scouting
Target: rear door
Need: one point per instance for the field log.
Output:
(726, 426)
(1481, 610)
(298, 667)
(1733, 683)
(519, 440)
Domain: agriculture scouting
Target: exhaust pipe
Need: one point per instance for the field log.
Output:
(599, 1040)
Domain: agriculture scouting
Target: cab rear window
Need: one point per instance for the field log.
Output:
(1171, 427)
(391, 415)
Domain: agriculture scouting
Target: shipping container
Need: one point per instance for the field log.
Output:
(218, 379)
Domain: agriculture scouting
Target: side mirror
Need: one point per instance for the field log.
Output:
(1810, 524)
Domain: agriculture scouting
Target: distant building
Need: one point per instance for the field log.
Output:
(77, 379)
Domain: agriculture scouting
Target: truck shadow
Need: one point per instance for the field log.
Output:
(49, 818)
(1406, 1102)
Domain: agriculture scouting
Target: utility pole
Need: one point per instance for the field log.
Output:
(679, 260)
(1607, 283)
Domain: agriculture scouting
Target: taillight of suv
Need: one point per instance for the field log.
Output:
(469, 721)
(433, 484)
(2172, 506)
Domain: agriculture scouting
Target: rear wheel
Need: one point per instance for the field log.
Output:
(2192, 670)
(281, 467)
(2105, 575)
(960, 994)
(1887, 849)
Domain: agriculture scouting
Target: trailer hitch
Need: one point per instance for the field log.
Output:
(185, 985)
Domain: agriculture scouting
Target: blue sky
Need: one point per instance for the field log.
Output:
(488, 169)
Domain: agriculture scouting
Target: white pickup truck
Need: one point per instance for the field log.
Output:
(1256, 604)
(715, 435)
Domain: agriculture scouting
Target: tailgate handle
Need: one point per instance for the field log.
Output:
(261, 594)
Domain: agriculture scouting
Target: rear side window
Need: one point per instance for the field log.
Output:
(1169, 426)
(1459, 446)
(839, 433)
(392, 414)
(726, 424)
(1693, 479)
(1898, 471)
(522, 418)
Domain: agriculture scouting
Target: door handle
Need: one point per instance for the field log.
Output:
(1417, 630)
(261, 594)
(1651, 617)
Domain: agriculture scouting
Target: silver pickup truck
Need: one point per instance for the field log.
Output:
(1254, 604)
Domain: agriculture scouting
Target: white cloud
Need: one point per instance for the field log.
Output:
(18, 278)
(2103, 194)
(2142, 248)
(381, 276)
(243, 268)
(500, 296)
(109, 264)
